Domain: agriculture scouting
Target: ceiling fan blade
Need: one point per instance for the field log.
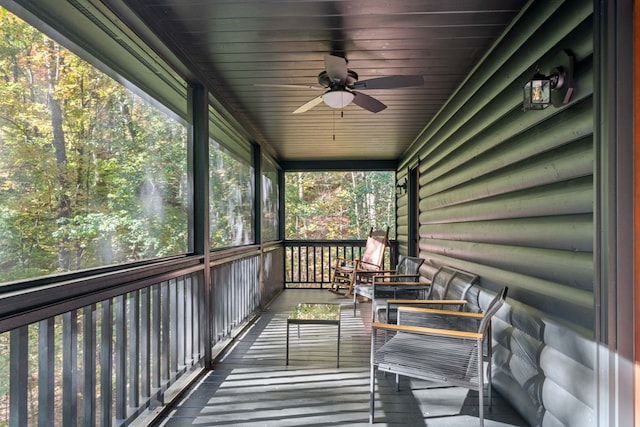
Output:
(314, 87)
(390, 82)
(309, 105)
(336, 68)
(368, 103)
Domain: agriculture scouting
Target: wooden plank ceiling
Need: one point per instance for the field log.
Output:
(241, 45)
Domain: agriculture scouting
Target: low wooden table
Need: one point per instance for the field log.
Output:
(311, 313)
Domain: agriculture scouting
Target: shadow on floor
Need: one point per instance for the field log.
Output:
(251, 385)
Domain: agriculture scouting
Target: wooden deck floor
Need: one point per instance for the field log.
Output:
(252, 386)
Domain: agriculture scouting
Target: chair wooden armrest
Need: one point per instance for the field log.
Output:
(367, 267)
(427, 331)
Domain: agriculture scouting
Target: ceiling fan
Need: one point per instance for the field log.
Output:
(340, 84)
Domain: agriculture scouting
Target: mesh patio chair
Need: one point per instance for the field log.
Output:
(451, 289)
(403, 282)
(436, 345)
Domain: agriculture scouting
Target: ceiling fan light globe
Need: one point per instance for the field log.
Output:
(338, 98)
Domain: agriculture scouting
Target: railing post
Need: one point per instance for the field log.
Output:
(198, 159)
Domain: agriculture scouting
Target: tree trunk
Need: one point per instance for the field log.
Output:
(59, 146)
(356, 210)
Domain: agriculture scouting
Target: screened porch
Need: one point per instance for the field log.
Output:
(145, 258)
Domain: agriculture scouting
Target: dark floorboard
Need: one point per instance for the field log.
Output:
(251, 385)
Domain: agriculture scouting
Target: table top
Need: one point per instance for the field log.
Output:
(315, 312)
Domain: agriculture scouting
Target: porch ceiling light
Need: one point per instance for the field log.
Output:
(338, 98)
(555, 89)
(537, 93)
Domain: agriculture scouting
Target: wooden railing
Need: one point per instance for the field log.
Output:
(106, 347)
(112, 345)
(308, 263)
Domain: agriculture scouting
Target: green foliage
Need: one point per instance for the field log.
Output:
(338, 205)
(231, 197)
(270, 203)
(90, 173)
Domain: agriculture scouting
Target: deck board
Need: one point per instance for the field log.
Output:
(250, 384)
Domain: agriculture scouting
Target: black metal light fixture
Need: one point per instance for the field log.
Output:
(554, 89)
(401, 187)
(537, 93)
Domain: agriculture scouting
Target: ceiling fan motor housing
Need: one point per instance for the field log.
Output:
(325, 80)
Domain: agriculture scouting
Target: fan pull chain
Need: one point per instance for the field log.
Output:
(334, 124)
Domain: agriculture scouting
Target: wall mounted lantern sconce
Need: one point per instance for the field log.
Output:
(554, 89)
(401, 186)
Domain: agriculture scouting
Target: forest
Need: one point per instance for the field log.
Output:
(93, 173)
(338, 205)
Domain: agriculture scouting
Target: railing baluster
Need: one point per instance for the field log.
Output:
(197, 301)
(321, 265)
(156, 317)
(228, 294)
(214, 314)
(145, 343)
(189, 321)
(173, 328)
(241, 294)
(19, 375)
(233, 290)
(134, 348)
(46, 371)
(180, 323)
(121, 357)
(307, 275)
(289, 261)
(315, 264)
(106, 366)
(299, 266)
(165, 337)
(89, 365)
(215, 327)
(70, 368)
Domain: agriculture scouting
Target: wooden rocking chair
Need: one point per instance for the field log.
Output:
(346, 273)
